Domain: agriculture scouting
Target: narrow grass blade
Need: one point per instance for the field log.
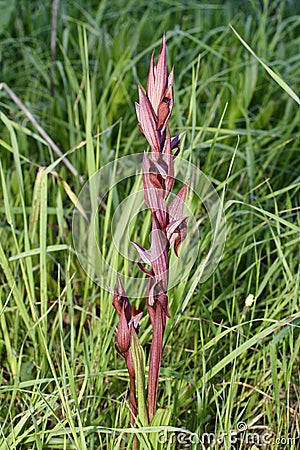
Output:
(271, 72)
(139, 367)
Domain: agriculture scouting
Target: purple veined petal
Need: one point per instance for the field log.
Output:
(117, 302)
(160, 168)
(164, 301)
(172, 239)
(150, 192)
(130, 367)
(151, 298)
(160, 209)
(169, 184)
(150, 309)
(150, 89)
(157, 294)
(163, 163)
(135, 320)
(174, 227)
(121, 289)
(169, 160)
(176, 206)
(158, 183)
(161, 73)
(167, 148)
(146, 164)
(163, 113)
(157, 205)
(165, 107)
(177, 227)
(145, 255)
(123, 331)
(120, 301)
(165, 279)
(159, 253)
(147, 121)
(175, 141)
(154, 290)
(158, 164)
(159, 245)
(180, 238)
(158, 80)
(143, 269)
(178, 235)
(154, 195)
(150, 179)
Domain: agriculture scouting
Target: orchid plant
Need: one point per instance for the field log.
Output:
(169, 229)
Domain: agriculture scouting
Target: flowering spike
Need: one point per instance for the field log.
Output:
(155, 106)
(169, 227)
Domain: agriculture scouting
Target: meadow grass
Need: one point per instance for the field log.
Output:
(62, 384)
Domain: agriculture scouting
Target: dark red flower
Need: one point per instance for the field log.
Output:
(128, 317)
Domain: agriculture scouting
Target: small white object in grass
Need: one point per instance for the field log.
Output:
(249, 300)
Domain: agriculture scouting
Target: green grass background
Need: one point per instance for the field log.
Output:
(62, 385)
